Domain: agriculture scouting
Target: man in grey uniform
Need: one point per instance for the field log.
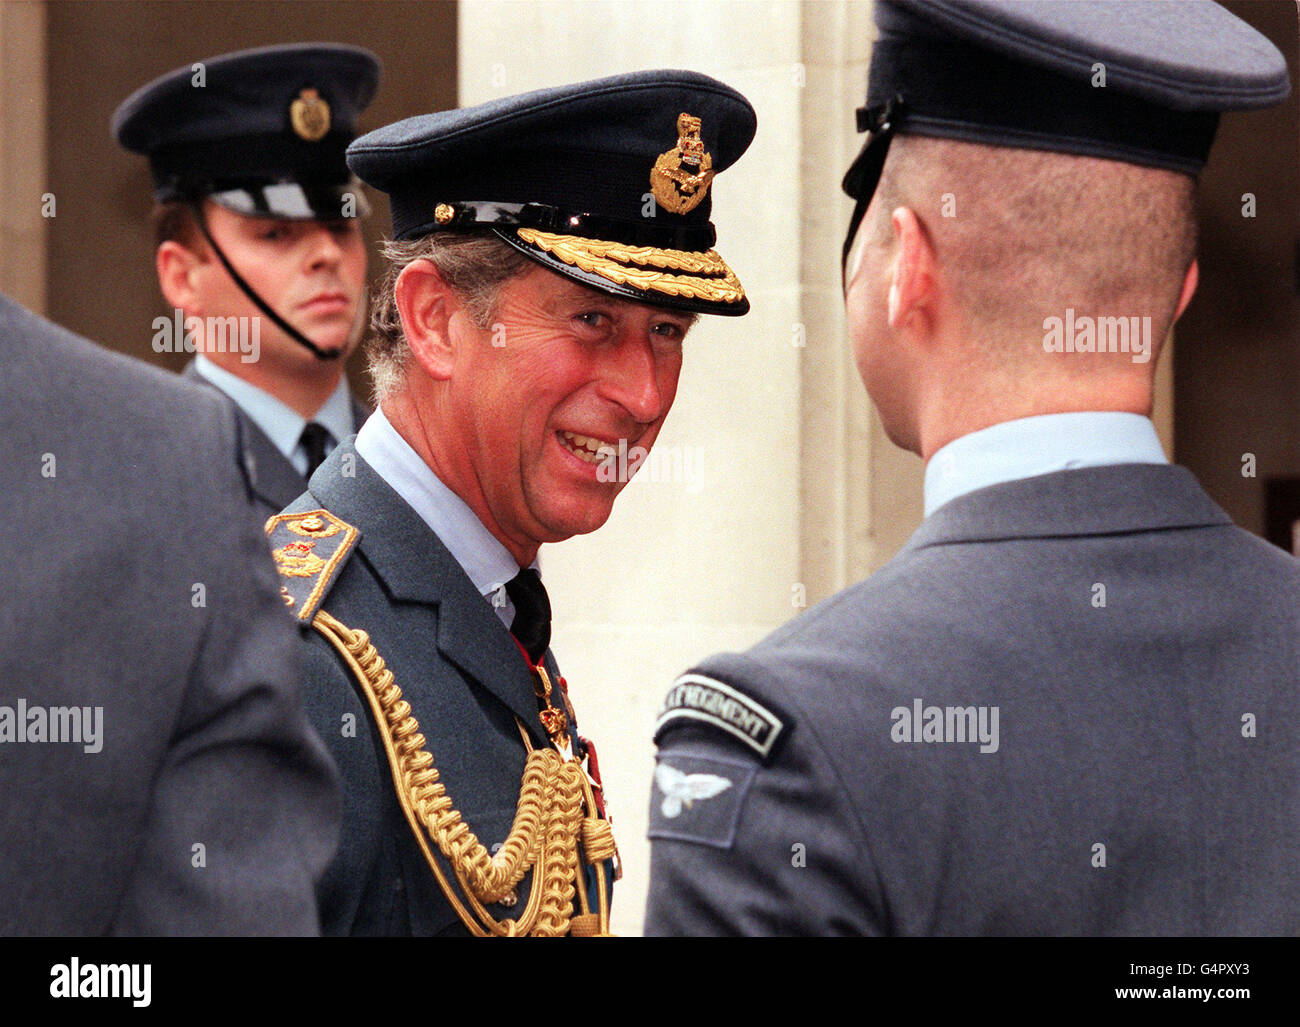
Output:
(551, 251)
(1067, 705)
(259, 246)
(158, 773)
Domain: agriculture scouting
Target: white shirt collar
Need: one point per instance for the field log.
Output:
(487, 562)
(1030, 446)
(282, 424)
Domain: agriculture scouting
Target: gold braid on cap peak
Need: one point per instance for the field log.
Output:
(552, 820)
(644, 267)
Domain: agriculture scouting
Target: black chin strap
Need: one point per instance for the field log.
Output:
(261, 304)
(863, 177)
(859, 211)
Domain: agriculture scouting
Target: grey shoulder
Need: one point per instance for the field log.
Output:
(55, 377)
(52, 355)
(1273, 560)
(730, 698)
(799, 672)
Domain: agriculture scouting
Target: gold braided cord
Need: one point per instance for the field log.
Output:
(611, 261)
(601, 927)
(560, 860)
(548, 824)
(597, 840)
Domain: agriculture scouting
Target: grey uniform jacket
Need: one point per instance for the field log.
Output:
(464, 677)
(1146, 778)
(274, 480)
(133, 578)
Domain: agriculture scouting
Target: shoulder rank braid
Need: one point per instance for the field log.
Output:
(555, 823)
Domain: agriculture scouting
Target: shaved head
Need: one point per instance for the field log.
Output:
(1020, 235)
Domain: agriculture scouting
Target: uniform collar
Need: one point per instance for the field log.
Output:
(281, 423)
(1073, 504)
(485, 560)
(1030, 446)
(414, 565)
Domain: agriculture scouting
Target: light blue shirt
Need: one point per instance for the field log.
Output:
(487, 562)
(282, 424)
(1031, 446)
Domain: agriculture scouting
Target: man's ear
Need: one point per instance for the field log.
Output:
(426, 303)
(1190, 281)
(911, 289)
(177, 265)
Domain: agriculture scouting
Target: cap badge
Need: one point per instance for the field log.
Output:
(310, 115)
(680, 178)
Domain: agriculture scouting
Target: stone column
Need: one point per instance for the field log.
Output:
(22, 144)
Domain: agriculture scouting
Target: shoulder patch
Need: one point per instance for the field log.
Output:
(309, 548)
(701, 699)
(698, 798)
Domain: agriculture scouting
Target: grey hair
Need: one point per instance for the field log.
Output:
(476, 266)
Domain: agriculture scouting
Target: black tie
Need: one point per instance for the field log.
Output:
(532, 623)
(313, 441)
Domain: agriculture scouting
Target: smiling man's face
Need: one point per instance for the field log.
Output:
(542, 396)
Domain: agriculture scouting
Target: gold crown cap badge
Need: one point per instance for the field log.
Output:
(680, 178)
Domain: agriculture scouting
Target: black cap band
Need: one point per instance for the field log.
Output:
(472, 215)
(208, 165)
(598, 182)
(956, 90)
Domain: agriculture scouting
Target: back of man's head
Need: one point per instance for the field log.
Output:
(1022, 236)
